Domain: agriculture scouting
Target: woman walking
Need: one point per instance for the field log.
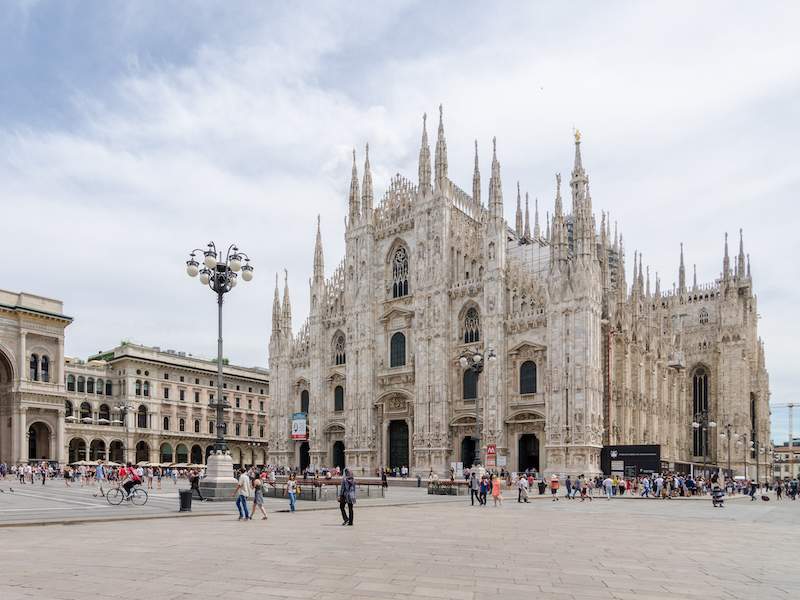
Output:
(496, 495)
(554, 484)
(258, 498)
(291, 491)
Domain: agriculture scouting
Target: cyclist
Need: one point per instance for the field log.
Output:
(130, 479)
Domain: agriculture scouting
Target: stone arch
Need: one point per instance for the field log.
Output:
(97, 449)
(339, 348)
(196, 455)
(165, 453)
(181, 453)
(7, 371)
(78, 449)
(142, 452)
(116, 451)
(40, 436)
(398, 268)
(469, 323)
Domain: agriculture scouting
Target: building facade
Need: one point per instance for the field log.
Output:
(573, 356)
(132, 403)
(786, 461)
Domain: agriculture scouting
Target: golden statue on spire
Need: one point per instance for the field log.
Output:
(577, 136)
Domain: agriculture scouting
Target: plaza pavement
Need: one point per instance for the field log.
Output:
(561, 550)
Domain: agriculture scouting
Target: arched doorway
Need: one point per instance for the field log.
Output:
(209, 452)
(166, 453)
(338, 455)
(197, 455)
(398, 444)
(38, 442)
(181, 454)
(77, 450)
(97, 450)
(528, 452)
(142, 452)
(468, 454)
(116, 452)
(305, 457)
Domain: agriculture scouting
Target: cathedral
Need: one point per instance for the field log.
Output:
(446, 337)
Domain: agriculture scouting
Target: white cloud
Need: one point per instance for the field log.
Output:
(688, 117)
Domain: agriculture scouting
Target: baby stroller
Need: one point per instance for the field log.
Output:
(717, 496)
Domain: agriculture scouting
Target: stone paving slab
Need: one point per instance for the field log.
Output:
(579, 551)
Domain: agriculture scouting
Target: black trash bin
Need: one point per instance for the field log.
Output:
(185, 497)
(419, 481)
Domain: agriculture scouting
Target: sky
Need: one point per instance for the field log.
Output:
(131, 133)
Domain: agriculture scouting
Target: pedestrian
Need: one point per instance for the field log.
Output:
(554, 484)
(384, 481)
(194, 485)
(258, 498)
(484, 490)
(778, 490)
(522, 489)
(497, 497)
(607, 487)
(100, 476)
(347, 497)
(291, 491)
(242, 492)
(474, 488)
(568, 485)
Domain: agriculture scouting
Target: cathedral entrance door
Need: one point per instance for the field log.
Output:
(528, 452)
(398, 444)
(338, 455)
(305, 457)
(468, 451)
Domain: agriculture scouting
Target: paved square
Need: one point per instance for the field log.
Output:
(625, 549)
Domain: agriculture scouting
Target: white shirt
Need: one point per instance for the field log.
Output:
(244, 485)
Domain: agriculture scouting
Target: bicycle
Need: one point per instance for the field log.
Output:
(116, 495)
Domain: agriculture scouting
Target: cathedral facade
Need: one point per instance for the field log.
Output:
(447, 336)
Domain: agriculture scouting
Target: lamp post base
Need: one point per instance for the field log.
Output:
(219, 482)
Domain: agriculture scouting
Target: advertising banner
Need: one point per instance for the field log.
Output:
(491, 455)
(299, 429)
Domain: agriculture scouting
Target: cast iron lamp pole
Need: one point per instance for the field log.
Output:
(702, 423)
(727, 435)
(474, 361)
(221, 276)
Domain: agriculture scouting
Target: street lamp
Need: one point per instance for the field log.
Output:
(702, 423)
(757, 448)
(221, 275)
(730, 435)
(474, 361)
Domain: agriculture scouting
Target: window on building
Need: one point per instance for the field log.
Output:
(238, 429)
(249, 404)
(338, 398)
(166, 393)
(109, 388)
(67, 408)
(261, 431)
(86, 411)
(98, 388)
(237, 388)
(138, 387)
(527, 377)
(141, 417)
(249, 430)
(181, 424)
(166, 375)
(104, 414)
(339, 356)
(397, 350)
(182, 395)
(238, 402)
(166, 423)
(261, 405)
(197, 396)
(250, 390)
(70, 383)
(703, 316)
(34, 371)
(197, 425)
(304, 401)
(182, 378)
(472, 326)
(146, 388)
(400, 273)
(700, 408)
(470, 385)
(211, 427)
(90, 385)
(262, 391)
(210, 383)
(225, 386)
(46, 369)
(81, 384)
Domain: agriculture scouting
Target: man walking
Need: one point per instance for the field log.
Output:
(474, 487)
(242, 492)
(100, 476)
(347, 497)
(607, 485)
(522, 487)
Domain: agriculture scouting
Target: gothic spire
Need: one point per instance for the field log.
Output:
(276, 308)
(424, 159)
(476, 179)
(658, 286)
(354, 199)
(518, 221)
(495, 186)
(527, 219)
(441, 154)
(694, 277)
(641, 276)
(366, 188)
(578, 182)
(319, 261)
(740, 259)
(547, 233)
(559, 211)
(287, 305)
(647, 285)
(537, 233)
(681, 274)
(726, 261)
(748, 266)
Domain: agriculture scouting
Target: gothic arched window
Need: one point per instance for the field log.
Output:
(703, 316)
(197, 425)
(470, 382)
(397, 350)
(339, 356)
(141, 417)
(45, 369)
(304, 401)
(138, 387)
(338, 398)
(146, 388)
(527, 377)
(700, 407)
(34, 376)
(472, 326)
(400, 273)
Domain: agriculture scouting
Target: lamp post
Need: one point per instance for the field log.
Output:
(702, 422)
(220, 274)
(729, 435)
(124, 408)
(475, 361)
(756, 448)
